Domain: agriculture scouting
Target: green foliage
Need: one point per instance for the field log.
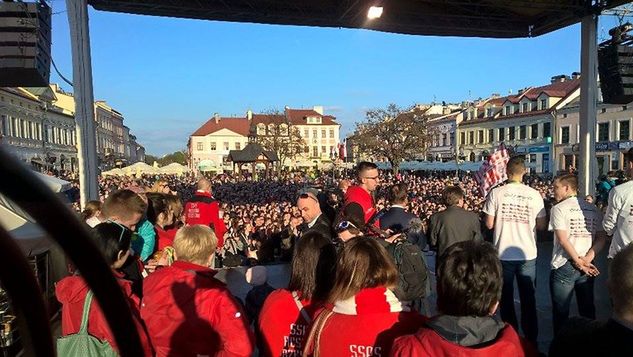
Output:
(178, 156)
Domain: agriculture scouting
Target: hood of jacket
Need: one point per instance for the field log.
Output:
(466, 331)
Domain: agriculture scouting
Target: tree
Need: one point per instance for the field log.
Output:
(394, 133)
(177, 156)
(281, 137)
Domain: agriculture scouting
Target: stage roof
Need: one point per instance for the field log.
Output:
(465, 18)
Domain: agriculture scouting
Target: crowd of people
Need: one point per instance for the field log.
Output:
(355, 252)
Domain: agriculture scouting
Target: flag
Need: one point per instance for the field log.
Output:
(342, 150)
(493, 171)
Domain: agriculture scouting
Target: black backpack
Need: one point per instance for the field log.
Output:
(412, 270)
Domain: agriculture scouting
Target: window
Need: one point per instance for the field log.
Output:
(534, 106)
(543, 104)
(508, 110)
(226, 145)
(480, 135)
(323, 133)
(323, 150)
(564, 135)
(331, 133)
(315, 151)
(491, 135)
(604, 110)
(462, 138)
(488, 112)
(533, 131)
(238, 146)
(283, 129)
(532, 158)
(332, 150)
(624, 130)
(546, 130)
(511, 133)
(261, 129)
(314, 133)
(603, 132)
(306, 133)
(523, 132)
(451, 138)
(471, 137)
(213, 146)
(271, 129)
(502, 134)
(200, 146)
(525, 107)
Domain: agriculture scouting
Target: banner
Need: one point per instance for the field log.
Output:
(493, 171)
(342, 150)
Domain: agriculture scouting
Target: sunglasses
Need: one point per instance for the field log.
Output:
(344, 225)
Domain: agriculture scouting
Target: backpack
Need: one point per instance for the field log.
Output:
(83, 344)
(412, 270)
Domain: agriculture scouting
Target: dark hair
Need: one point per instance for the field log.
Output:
(469, 279)
(363, 263)
(620, 281)
(516, 165)
(91, 208)
(157, 204)
(313, 266)
(569, 180)
(111, 238)
(364, 166)
(452, 195)
(398, 193)
(353, 213)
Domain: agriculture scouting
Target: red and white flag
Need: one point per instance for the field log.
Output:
(342, 150)
(493, 171)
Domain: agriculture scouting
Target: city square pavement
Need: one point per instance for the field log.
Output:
(278, 276)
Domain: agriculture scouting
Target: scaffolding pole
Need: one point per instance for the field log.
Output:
(84, 99)
(588, 99)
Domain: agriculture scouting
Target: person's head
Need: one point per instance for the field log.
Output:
(516, 168)
(363, 263)
(204, 185)
(346, 230)
(589, 199)
(469, 279)
(308, 205)
(398, 194)
(313, 267)
(159, 211)
(160, 186)
(195, 244)
(368, 175)
(113, 241)
(628, 158)
(124, 207)
(620, 283)
(453, 196)
(344, 185)
(176, 206)
(565, 186)
(92, 209)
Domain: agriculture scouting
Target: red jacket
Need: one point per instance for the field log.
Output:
(188, 313)
(204, 209)
(358, 195)
(282, 330)
(366, 325)
(71, 293)
(427, 342)
(164, 238)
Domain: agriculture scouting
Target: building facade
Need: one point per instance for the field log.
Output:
(443, 129)
(210, 144)
(37, 131)
(522, 122)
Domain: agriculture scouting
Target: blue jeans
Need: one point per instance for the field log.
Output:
(525, 273)
(563, 282)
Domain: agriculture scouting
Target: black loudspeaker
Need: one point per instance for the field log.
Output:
(25, 44)
(615, 66)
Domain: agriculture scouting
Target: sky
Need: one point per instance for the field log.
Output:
(168, 76)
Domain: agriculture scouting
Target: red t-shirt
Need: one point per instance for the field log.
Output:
(358, 195)
(282, 329)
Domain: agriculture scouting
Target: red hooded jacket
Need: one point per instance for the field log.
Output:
(189, 313)
(427, 342)
(366, 325)
(358, 195)
(282, 329)
(71, 293)
(203, 209)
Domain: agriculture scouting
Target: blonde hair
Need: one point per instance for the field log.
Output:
(195, 244)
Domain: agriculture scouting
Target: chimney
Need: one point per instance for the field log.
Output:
(575, 75)
(318, 109)
(249, 115)
(560, 78)
(216, 116)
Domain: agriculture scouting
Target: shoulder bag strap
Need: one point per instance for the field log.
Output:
(83, 329)
(311, 347)
(302, 310)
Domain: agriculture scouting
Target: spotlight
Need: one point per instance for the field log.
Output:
(374, 12)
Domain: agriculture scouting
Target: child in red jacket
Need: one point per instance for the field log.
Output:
(468, 291)
(187, 311)
(113, 240)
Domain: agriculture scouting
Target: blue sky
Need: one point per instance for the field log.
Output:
(168, 76)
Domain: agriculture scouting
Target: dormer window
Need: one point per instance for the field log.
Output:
(271, 129)
(314, 120)
(508, 110)
(283, 129)
(261, 129)
(543, 103)
(525, 107)
(488, 112)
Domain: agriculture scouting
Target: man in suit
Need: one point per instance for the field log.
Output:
(454, 224)
(397, 219)
(313, 218)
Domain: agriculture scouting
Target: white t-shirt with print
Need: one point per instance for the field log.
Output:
(515, 207)
(581, 220)
(618, 220)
